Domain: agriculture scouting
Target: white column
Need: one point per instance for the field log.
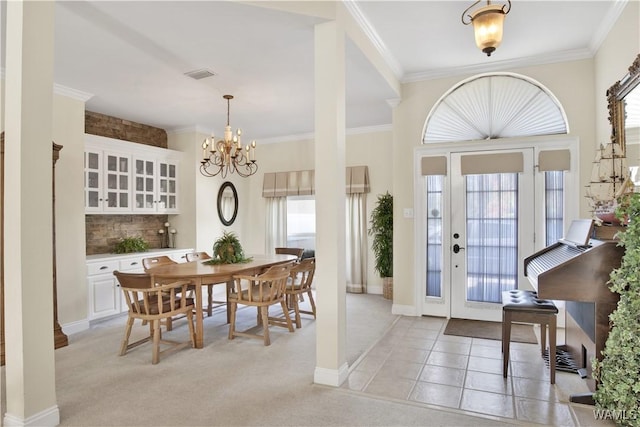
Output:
(331, 365)
(30, 364)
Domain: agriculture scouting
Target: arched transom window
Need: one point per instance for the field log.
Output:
(492, 106)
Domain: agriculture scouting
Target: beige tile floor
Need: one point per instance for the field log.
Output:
(416, 363)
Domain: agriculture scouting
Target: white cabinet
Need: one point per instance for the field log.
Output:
(105, 297)
(156, 185)
(124, 177)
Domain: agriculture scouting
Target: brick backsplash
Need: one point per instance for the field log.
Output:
(104, 231)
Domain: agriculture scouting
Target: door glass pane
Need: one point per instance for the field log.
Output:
(172, 202)
(139, 200)
(112, 181)
(112, 200)
(149, 186)
(172, 171)
(163, 185)
(124, 200)
(124, 182)
(93, 160)
(149, 169)
(554, 206)
(172, 186)
(112, 163)
(92, 178)
(149, 201)
(163, 202)
(434, 235)
(163, 169)
(124, 164)
(139, 167)
(93, 199)
(139, 184)
(492, 235)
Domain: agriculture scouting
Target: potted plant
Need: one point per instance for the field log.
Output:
(618, 373)
(131, 244)
(382, 232)
(227, 250)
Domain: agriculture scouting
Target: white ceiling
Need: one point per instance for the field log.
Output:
(132, 56)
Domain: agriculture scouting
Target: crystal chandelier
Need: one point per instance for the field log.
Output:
(226, 155)
(487, 24)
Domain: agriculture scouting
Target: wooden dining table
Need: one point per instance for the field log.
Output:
(202, 274)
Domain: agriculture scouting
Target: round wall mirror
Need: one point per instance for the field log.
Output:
(227, 203)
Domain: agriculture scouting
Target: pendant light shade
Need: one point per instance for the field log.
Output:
(488, 22)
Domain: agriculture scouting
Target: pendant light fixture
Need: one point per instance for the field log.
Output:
(487, 23)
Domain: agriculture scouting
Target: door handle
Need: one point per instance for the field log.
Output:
(457, 248)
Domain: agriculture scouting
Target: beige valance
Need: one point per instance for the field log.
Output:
(554, 160)
(301, 183)
(434, 165)
(472, 164)
(357, 179)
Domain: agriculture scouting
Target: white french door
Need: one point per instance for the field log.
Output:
(491, 229)
(479, 226)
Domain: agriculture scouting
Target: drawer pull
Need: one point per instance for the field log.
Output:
(104, 267)
(134, 263)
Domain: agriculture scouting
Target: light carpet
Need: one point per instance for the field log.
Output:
(236, 382)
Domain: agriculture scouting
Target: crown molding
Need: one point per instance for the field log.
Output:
(565, 56)
(311, 135)
(607, 24)
(71, 93)
(373, 37)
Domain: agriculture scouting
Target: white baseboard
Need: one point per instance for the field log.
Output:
(48, 417)
(332, 377)
(404, 310)
(75, 327)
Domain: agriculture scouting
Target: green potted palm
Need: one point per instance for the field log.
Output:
(618, 373)
(382, 246)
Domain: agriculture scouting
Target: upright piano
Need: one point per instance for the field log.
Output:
(578, 274)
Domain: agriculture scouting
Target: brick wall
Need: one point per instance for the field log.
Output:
(104, 231)
(113, 127)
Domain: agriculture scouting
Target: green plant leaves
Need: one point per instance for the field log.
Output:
(382, 232)
(227, 250)
(131, 244)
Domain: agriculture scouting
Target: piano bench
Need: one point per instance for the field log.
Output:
(526, 307)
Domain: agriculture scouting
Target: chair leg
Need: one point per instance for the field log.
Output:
(285, 311)
(127, 334)
(169, 324)
(543, 338)
(506, 338)
(232, 319)
(265, 324)
(296, 308)
(156, 342)
(313, 303)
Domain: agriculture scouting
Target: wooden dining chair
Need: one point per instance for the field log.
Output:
(291, 251)
(154, 302)
(151, 262)
(301, 279)
(156, 261)
(260, 291)
(198, 256)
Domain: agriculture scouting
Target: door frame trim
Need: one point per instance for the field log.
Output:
(538, 143)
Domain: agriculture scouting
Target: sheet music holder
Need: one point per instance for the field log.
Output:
(579, 234)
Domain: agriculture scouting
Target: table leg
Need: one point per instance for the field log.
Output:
(199, 323)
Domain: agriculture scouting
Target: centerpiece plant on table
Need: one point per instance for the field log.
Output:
(228, 250)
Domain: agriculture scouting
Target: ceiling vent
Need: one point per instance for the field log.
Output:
(200, 74)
